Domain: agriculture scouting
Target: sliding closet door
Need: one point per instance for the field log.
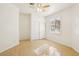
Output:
(24, 26)
(42, 29)
(37, 27)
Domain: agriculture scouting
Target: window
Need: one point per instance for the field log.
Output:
(55, 25)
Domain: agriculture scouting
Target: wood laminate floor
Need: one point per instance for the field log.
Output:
(26, 48)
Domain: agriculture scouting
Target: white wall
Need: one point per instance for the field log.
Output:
(24, 25)
(70, 27)
(75, 27)
(9, 26)
(37, 26)
(65, 37)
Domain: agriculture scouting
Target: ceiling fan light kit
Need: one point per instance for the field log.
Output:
(40, 7)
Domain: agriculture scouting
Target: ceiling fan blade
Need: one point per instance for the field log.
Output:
(31, 3)
(46, 6)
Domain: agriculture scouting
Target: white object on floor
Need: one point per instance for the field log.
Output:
(46, 50)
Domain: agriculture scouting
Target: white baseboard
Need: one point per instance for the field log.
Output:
(76, 50)
(66, 45)
(9, 47)
(61, 43)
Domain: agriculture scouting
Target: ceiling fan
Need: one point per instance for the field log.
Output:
(40, 6)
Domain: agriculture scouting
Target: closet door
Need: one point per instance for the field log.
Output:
(42, 30)
(24, 26)
(37, 27)
(35, 31)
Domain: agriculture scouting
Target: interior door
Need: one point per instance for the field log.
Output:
(42, 30)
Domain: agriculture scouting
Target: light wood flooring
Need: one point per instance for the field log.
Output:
(26, 48)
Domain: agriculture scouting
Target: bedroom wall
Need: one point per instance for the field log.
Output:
(69, 35)
(9, 26)
(65, 36)
(75, 27)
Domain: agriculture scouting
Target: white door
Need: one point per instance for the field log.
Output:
(42, 30)
(35, 34)
(24, 26)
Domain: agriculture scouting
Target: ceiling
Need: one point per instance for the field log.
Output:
(54, 7)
